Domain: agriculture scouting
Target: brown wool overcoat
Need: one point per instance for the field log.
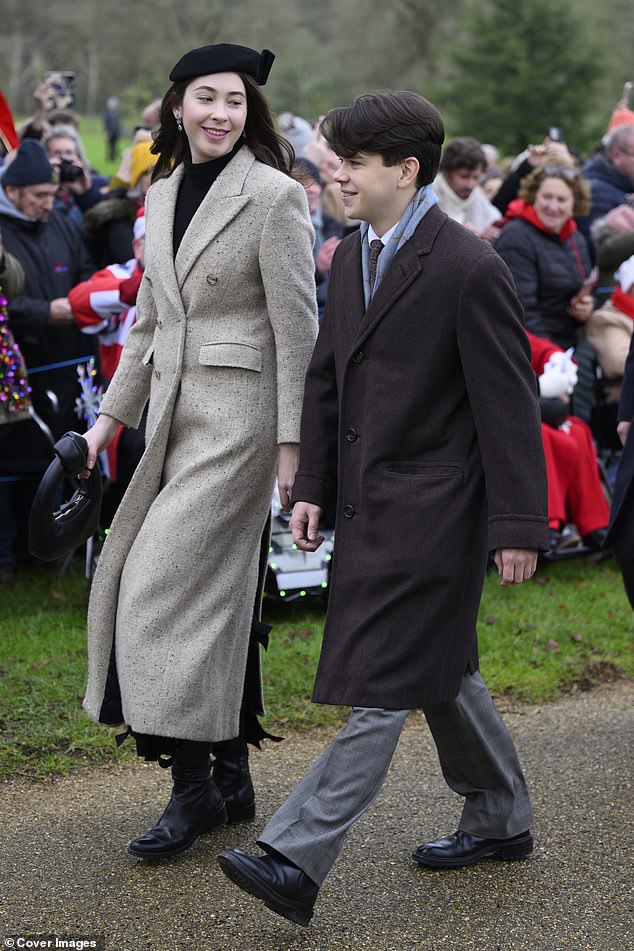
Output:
(421, 418)
(223, 337)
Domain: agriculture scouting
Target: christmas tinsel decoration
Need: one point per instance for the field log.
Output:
(14, 387)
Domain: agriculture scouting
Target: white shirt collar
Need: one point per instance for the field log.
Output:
(373, 236)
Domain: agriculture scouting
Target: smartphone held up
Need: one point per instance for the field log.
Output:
(61, 85)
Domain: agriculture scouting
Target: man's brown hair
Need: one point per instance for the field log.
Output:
(394, 125)
(463, 152)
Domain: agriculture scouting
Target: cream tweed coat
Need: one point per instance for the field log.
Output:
(223, 338)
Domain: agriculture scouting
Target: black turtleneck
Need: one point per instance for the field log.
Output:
(196, 182)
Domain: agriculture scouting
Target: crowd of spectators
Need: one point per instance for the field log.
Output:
(564, 225)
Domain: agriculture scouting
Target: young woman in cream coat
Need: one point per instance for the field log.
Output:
(225, 329)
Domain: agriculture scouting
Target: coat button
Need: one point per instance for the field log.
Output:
(358, 357)
(348, 511)
(211, 279)
(157, 374)
(352, 435)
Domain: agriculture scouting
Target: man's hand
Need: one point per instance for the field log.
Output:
(515, 565)
(59, 312)
(305, 526)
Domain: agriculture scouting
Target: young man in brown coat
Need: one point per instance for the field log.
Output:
(421, 424)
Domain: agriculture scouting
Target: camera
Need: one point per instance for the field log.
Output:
(69, 171)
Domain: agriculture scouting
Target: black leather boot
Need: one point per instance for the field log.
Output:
(196, 806)
(231, 775)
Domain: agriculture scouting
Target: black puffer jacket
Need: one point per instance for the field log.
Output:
(547, 271)
(54, 259)
(609, 186)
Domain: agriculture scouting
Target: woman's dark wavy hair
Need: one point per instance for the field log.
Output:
(394, 125)
(260, 132)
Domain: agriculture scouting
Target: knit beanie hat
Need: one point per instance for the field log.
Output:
(141, 160)
(29, 167)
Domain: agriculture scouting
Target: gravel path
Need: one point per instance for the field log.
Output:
(65, 869)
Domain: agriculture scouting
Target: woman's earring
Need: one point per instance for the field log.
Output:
(179, 124)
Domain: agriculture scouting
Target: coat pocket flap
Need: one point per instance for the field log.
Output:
(231, 355)
(147, 356)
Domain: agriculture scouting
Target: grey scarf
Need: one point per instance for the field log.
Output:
(423, 200)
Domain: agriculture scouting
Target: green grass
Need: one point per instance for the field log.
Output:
(42, 674)
(571, 627)
(92, 135)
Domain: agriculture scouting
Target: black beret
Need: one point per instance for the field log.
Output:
(224, 58)
(53, 534)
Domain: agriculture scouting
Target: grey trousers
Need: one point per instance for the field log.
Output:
(476, 754)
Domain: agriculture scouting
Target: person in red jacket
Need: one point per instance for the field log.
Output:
(575, 493)
(105, 304)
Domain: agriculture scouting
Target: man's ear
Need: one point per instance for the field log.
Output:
(410, 168)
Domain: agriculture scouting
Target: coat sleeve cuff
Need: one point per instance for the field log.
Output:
(316, 489)
(518, 531)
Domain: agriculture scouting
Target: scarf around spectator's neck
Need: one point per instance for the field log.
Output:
(523, 209)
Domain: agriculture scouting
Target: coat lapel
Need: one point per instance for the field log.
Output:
(351, 280)
(162, 227)
(406, 267)
(221, 204)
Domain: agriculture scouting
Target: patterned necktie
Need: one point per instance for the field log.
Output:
(376, 247)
